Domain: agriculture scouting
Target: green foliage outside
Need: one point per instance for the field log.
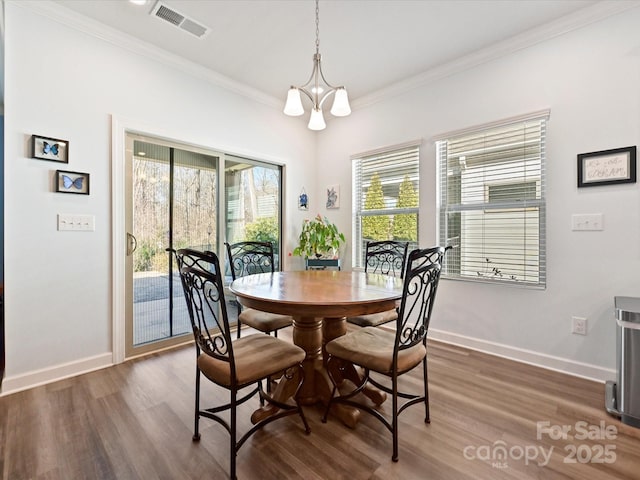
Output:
(375, 227)
(149, 257)
(405, 226)
(150, 254)
(390, 227)
(263, 230)
(143, 258)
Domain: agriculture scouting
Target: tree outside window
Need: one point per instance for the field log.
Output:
(386, 196)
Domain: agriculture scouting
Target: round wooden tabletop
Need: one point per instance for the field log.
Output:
(318, 293)
(319, 301)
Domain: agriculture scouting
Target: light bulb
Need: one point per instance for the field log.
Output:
(316, 122)
(341, 106)
(293, 107)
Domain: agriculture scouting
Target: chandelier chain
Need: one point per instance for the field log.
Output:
(317, 27)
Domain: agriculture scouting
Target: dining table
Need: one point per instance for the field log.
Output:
(319, 302)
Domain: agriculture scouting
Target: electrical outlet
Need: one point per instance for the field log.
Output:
(579, 325)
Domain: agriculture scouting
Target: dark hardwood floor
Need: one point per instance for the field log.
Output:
(135, 420)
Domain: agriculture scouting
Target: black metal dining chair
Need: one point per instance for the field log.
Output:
(388, 258)
(248, 258)
(232, 364)
(391, 354)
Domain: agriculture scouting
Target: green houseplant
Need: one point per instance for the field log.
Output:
(319, 237)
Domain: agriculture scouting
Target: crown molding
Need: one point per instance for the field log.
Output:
(89, 26)
(582, 18)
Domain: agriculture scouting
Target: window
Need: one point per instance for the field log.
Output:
(492, 201)
(385, 197)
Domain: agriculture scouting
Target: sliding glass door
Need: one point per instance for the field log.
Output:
(174, 204)
(173, 195)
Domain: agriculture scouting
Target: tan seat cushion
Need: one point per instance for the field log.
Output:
(374, 319)
(257, 356)
(372, 348)
(264, 321)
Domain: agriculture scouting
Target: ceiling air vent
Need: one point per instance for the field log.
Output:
(169, 14)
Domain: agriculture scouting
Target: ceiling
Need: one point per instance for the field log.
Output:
(366, 45)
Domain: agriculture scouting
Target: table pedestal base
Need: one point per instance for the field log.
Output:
(312, 334)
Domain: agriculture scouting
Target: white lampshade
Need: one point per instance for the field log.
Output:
(293, 107)
(316, 122)
(341, 106)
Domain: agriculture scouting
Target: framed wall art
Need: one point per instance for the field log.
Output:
(333, 196)
(72, 182)
(607, 167)
(47, 148)
(303, 200)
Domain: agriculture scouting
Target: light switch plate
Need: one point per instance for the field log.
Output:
(76, 223)
(587, 222)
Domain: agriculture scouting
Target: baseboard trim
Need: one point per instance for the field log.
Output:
(578, 369)
(47, 375)
(550, 362)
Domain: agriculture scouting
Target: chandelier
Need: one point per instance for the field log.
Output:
(318, 92)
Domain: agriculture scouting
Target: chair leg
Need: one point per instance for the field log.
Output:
(330, 360)
(326, 411)
(427, 418)
(394, 424)
(307, 429)
(261, 399)
(238, 324)
(196, 420)
(232, 434)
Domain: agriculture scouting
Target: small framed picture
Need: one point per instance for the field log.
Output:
(72, 182)
(607, 167)
(303, 200)
(333, 196)
(47, 148)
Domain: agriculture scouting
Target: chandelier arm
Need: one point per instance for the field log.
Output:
(317, 69)
(313, 74)
(307, 93)
(324, 79)
(326, 95)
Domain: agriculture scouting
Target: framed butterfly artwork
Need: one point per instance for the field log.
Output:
(72, 182)
(46, 148)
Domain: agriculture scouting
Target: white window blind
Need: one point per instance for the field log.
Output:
(492, 202)
(385, 197)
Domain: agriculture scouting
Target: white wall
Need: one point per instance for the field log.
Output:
(66, 84)
(590, 80)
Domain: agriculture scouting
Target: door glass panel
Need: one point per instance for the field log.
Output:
(253, 199)
(174, 206)
(151, 172)
(194, 206)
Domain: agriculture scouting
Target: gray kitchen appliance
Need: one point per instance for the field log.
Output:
(622, 396)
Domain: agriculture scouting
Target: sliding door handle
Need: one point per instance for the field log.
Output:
(132, 244)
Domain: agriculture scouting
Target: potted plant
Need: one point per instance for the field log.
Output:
(319, 237)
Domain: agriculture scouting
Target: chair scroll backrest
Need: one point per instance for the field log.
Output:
(421, 277)
(202, 282)
(386, 257)
(248, 258)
